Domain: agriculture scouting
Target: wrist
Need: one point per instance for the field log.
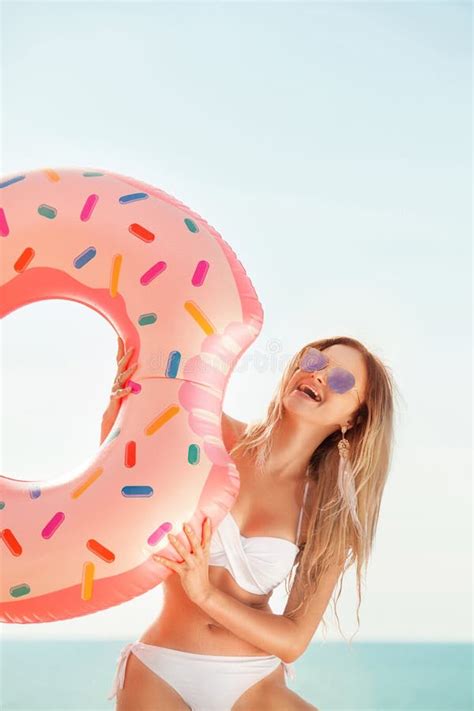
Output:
(206, 597)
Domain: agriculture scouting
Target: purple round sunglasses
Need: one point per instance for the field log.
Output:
(339, 379)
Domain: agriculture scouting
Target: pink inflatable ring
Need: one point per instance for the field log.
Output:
(172, 288)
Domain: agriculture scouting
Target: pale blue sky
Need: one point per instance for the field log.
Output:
(330, 145)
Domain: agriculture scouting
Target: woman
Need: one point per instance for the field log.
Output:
(216, 644)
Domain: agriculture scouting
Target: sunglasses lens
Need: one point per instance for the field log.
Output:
(340, 380)
(313, 360)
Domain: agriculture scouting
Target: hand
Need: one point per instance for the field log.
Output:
(118, 393)
(194, 570)
(123, 373)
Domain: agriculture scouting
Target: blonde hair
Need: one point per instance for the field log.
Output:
(333, 536)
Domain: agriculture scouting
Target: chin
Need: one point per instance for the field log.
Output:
(292, 402)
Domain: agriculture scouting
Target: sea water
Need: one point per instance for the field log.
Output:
(78, 674)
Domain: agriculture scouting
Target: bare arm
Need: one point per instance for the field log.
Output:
(275, 634)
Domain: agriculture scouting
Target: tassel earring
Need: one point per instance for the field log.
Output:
(345, 479)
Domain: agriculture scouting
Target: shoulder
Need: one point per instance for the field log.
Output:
(231, 430)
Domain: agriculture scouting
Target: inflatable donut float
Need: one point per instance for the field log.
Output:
(172, 288)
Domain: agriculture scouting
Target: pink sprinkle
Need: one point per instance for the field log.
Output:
(4, 230)
(52, 525)
(152, 273)
(159, 533)
(200, 273)
(89, 206)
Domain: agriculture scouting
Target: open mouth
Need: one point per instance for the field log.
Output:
(308, 392)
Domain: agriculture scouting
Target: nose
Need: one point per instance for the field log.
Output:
(320, 375)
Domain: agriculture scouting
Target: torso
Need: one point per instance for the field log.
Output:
(183, 625)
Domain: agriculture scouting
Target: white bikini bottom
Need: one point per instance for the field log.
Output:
(206, 682)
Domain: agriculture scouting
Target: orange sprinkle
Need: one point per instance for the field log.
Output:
(87, 580)
(85, 485)
(11, 541)
(24, 259)
(199, 316)
(100, 550)
(114, 277)
(162, 419)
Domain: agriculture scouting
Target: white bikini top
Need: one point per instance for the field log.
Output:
(257, 563)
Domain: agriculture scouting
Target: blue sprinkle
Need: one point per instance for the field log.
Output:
(12, 181)
(172, 366)
(35, 493)
(137, 491)
(132, 197)
(85, 257)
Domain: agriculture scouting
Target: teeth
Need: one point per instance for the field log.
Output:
(302, 388)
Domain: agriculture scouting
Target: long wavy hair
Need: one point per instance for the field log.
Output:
(334, 534)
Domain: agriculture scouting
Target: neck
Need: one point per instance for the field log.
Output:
(293, 444)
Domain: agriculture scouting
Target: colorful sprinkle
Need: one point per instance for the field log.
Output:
(20, 590)
(132, 197)
(199, 316)
(137, 491)
(153, 272)
(130, 454)
(92, 174)
(87, 483)
(2, 505)
(52, 175)
(24, 259)
(162, 419)
(200, 273)
(35, 493)
(4, 229)
(85, 257)
(89, 206)
(100, 550)
(157, 535)
(142, 232)
(136, 387)
(191, 225)
(193, 454)
(53, 524)
(147, 319)
(172, 366)
(12, 181)
(115, 275)
(47, 211)
(87, 582)
(11, 541)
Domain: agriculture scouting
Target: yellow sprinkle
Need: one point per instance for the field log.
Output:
(162, 419)
(200, 317)
(85, 485)
(52, 175)
(87, 580)
(114, 277)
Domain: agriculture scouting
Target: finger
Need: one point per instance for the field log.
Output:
(207, 531)
(193, 539)
(127, 373)
(125, 358)
(120, 392)
(176, 543)
(122, 363)
(166, 562)
(120, 349)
